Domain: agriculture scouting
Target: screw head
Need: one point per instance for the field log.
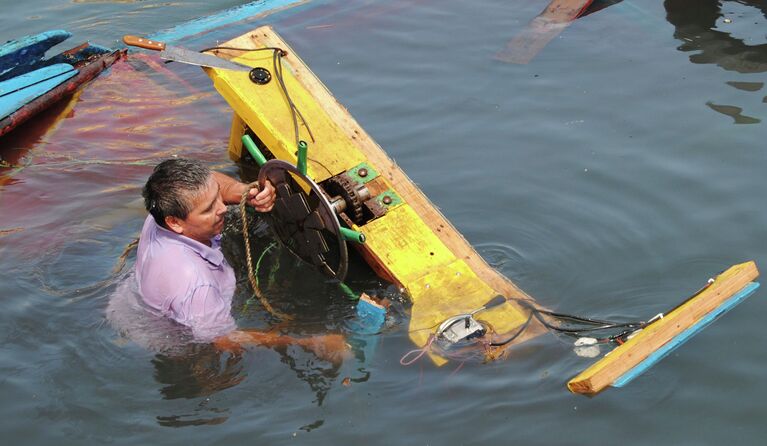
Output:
(386, 199)
(362, 172)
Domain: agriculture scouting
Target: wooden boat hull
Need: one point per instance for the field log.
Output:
(412, 245)
(28, 51)
(34, 84)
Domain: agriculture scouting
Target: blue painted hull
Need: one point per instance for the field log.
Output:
(29, 83)
(26, 52)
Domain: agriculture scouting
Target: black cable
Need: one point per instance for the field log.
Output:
(277, 55)
(231, 48)
(522, 328)
(596, 325)
(294, 110)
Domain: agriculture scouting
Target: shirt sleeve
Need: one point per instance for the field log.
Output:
(206, 312)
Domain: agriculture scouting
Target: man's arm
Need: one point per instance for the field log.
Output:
(330, 347)
(232, 190)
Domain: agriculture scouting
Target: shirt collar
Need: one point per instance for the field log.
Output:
(211, 253)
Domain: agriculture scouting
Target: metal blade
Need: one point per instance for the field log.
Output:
(204, 60)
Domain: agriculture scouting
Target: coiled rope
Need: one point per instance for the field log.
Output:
(249, 258)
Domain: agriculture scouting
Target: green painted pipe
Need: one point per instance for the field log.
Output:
(302, 153)
(351, 235)
(348, 291)
(247, 141)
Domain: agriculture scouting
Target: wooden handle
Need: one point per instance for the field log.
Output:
(143, 43)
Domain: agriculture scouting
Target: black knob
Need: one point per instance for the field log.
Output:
(260, 76)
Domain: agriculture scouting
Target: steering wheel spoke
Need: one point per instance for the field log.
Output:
(304, 220)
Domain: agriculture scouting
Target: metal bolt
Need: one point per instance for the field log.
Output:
(386, 199)
(362, 172)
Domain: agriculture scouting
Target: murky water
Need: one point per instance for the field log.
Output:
(610, 176)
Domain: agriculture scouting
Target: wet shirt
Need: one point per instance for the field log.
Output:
(185, 280)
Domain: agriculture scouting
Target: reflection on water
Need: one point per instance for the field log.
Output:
(726, 34)
(734, 112)
(696, 22)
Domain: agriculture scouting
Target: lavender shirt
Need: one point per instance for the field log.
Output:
(185, 280)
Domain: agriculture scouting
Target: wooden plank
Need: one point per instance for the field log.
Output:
(683, 337)
(627, 356)
(542, 30)
(339, 153)
(265, 36)
(408, 247)
(399, 262)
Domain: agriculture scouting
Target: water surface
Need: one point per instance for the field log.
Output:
(610, 177)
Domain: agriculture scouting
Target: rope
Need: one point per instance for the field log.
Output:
(419, 352)
(256, 269)
(251, 275)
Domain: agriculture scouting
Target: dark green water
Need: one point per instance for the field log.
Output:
(610, 176)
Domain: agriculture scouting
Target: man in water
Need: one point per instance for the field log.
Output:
(181, 271)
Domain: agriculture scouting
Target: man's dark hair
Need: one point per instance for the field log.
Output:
(169, 190)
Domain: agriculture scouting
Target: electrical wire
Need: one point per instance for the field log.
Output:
(592, 325)
(277, 55)
(521, 330)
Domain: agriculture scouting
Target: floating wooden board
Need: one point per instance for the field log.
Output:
(659, 338)
(542, 30)
(413, 245)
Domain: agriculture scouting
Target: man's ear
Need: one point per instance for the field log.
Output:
(174, 224)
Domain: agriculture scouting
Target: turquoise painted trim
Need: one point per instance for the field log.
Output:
(42, 41)
(222, 18)
(15, 93)
(29, 50)
(682, 337)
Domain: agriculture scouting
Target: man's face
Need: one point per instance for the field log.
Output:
(206, 218)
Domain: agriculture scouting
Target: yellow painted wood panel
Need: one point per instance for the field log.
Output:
(401, 242)
(455, 289)
(265, 109)
(406, 245)
(611, 367)
(235, 138)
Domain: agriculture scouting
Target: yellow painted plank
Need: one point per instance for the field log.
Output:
(405, 245)
(413, 242)
(400, 182)
(265, 109)
(625, 357)
(235, 138)
(455, 289)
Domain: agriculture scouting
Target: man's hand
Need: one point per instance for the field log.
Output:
(232, 191)
(262, 200)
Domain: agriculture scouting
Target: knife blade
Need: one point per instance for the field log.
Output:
(183, 55)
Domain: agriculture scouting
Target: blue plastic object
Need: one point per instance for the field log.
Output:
(370, 318)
